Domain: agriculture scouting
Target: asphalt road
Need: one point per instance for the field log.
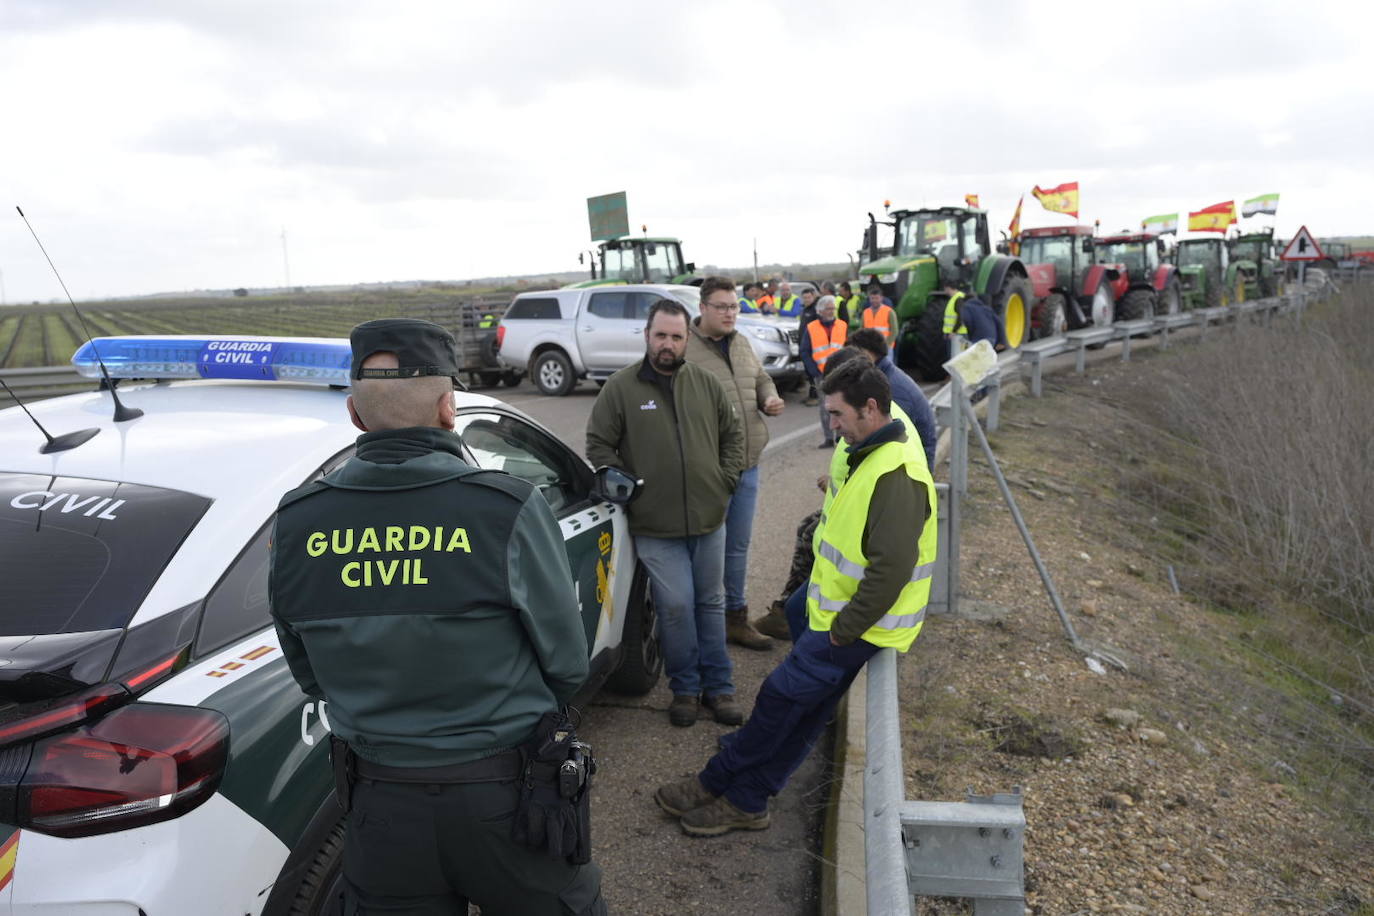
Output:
(652, 867)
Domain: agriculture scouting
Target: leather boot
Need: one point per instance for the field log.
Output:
(739, 632)
(774, 623)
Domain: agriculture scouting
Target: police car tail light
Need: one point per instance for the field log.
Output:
(141, 764)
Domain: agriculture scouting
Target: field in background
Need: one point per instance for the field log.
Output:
(47, 335)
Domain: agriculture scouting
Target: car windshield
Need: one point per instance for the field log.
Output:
(1132, 254)
(1192, 255)
(79, 554)
(925, 234)
(1049, 250)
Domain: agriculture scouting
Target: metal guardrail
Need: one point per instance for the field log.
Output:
(44, 382)
(973, 848)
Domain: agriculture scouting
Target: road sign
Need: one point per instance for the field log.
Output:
(1302, 247)
(608, 216)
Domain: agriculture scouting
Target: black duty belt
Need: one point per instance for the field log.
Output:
(502, 767)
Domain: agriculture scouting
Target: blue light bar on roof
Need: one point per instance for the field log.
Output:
(320, 361)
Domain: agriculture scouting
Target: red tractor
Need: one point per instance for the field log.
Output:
(1146, 285)
(1071, 291)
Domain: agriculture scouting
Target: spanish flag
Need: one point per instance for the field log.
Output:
(1215, 218)
(1014, 229)
(971, 200)
(1063, 199)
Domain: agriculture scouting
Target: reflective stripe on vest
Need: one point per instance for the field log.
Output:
(824, 342)
(880, 319)
(840, 565)
(952, 315)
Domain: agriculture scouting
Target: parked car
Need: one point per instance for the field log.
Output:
(156, 755)
(562, 335)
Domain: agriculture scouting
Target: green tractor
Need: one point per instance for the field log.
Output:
(638, 260)
(1210, 277)
(932, 247)
(1258, 248)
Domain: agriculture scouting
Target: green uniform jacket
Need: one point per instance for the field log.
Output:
(428, 601)
(745, 380)
(688, 447)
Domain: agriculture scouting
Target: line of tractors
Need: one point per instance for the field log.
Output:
(1044, 282)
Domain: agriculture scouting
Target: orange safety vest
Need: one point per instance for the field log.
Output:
(824, 343)
(881, 320)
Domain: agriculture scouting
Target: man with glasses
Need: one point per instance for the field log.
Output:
(715, 345)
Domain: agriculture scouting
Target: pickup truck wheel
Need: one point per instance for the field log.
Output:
(552, 373)
(641, 662)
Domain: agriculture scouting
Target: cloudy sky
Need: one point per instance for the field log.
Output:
(165, 145)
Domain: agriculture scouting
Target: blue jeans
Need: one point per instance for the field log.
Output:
(827, 433)
(688, 578)
(739, 527)
(792, 709)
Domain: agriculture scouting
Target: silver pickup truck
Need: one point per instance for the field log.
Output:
(561, 335)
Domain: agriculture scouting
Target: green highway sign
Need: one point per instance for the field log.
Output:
(608, 216)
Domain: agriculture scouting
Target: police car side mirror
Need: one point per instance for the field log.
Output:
(615, 486)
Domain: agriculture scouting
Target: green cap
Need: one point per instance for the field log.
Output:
(421, 348)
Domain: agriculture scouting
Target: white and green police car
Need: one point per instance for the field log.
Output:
(156, 756)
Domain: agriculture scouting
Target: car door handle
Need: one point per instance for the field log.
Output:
(587, 328)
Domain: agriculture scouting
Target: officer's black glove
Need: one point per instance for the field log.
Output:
(545, 820)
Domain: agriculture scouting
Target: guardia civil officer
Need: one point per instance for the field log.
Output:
(431, 604)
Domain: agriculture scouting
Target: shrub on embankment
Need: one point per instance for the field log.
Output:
(1255, 452)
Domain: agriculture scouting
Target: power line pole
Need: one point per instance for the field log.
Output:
(286, 265)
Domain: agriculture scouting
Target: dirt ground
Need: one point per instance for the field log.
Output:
(1145, 790)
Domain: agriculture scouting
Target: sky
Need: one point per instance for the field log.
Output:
(174, 145)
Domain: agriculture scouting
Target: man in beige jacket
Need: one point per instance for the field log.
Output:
(715, 345)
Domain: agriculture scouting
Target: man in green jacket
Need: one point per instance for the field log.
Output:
(672, 424)
(715, 345)
(430, 603)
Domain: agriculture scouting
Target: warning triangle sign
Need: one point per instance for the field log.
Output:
(1302, 247)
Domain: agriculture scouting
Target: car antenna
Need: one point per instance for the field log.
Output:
(121, 412)
(60, 443)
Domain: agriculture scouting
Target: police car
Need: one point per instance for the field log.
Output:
(156, 756)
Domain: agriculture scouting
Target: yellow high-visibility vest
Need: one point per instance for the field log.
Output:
(840, 564)
(952, 315)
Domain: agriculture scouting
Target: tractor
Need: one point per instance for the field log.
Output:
(1335, 252)
(1258, 248)
(931, 248)
(1210, 277)
(1146, 284)
(639, 260)
(1071, 291)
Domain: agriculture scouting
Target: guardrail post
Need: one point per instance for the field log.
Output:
(886, 887)
(994, 400)
(944, 584)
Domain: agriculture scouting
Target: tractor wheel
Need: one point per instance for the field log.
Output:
(1136, 304)
(1269, 286)
(1171, 297)
(923, 346)
(1013, 305)
(1102, 306)
(1050, 318)
(1214, 297)
(552, 373)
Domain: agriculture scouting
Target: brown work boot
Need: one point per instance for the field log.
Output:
(774, 623)
(725, 709)
(719, 816)
(682, 712)
(682, 796)
(739, 632)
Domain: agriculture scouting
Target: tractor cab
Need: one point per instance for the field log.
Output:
(1253, 246)
(1202, 254)
(1138, 254)
(640, 260)
(1211, 274)
(1056, 256)
(955, 236)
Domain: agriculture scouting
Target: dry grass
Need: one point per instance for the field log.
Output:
(1256, 467)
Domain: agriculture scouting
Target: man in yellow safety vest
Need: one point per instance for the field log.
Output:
(869, 586)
